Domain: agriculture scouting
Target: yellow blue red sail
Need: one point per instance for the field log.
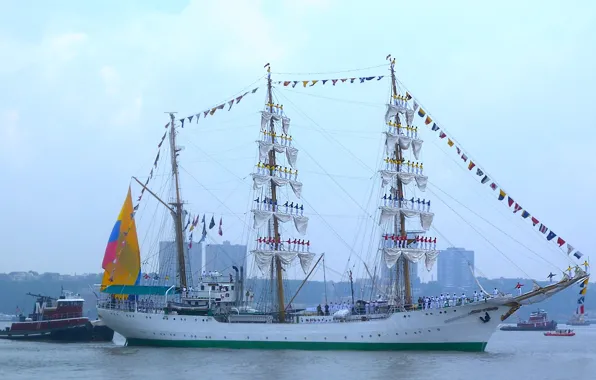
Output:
(122, 258)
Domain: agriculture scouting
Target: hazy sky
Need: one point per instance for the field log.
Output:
(85, 86)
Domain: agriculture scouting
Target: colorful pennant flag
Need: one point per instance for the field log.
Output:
(212, 110)
(502, 195)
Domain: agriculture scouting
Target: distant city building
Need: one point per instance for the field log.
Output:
(453, 269)
(168, 261)
(221, 257)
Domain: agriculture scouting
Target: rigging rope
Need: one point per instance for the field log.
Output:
(490, 223)
(331, 72)
(469, 157)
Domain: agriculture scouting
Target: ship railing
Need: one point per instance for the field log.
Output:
(149, 307)
(63, 316)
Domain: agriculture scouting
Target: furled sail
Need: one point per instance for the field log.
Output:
(388, 212)
(122, 258)
(388, 176)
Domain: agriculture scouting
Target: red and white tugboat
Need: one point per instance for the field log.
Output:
(538, 321)
(58, 320)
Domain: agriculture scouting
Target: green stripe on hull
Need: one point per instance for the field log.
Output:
(312, 346)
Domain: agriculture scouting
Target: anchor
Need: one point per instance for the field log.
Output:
(486, 317)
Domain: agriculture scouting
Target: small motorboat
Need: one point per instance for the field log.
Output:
(560, 333)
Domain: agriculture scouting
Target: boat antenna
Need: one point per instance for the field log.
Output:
(177, 214)
(325, 280)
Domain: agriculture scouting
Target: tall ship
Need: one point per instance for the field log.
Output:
(212, 309)
(57, 319)
(538, 321)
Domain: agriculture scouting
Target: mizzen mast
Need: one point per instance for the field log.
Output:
(177, 214)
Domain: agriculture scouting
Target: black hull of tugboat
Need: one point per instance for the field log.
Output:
(579, 323)
(548, 327)
(78, 334)
(102, 334)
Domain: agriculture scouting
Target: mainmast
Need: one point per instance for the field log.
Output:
(403, 264)
(276, 236)
(177, 213)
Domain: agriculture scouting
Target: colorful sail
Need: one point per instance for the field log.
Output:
(122, 258)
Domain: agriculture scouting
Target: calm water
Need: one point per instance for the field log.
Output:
(519, 355)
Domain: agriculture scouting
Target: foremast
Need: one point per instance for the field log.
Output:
(399, 246)
(272, 166)
(400, 228)
(177, 212)
(273, 252)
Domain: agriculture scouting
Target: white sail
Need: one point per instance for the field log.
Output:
(275, 128)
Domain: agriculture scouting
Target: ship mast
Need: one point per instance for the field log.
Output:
(276, 236)
(177, 213)
(403, 264)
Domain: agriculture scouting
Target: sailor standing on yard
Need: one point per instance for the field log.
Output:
(495, 293)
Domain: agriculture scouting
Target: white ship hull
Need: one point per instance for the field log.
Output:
(454, 328)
